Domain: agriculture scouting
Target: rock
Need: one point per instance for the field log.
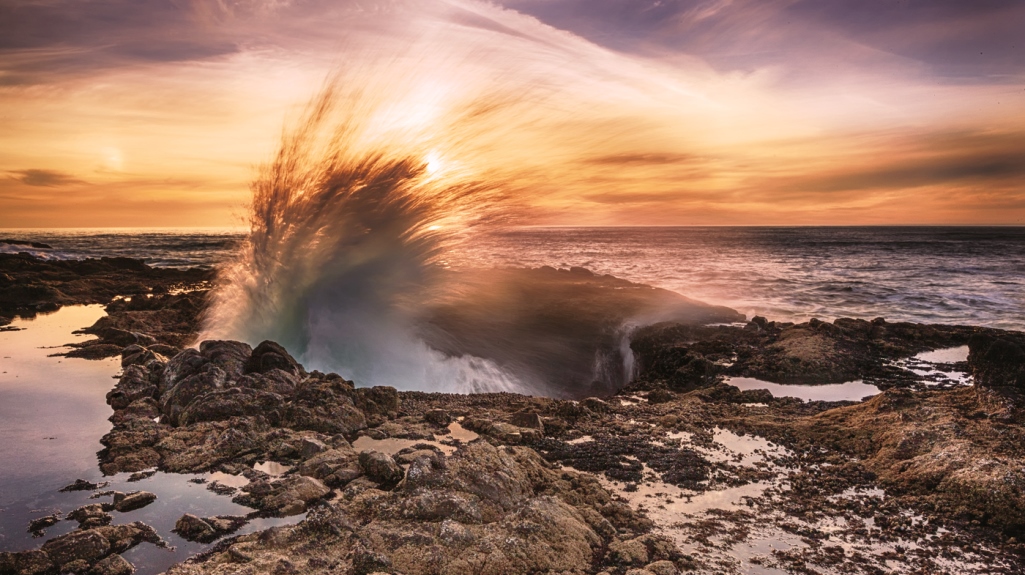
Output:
(309, 447)
(231, 356)
(380, 467)
(223, 404)
(335, 467)
(377, 400)
(193, 528)
(438, 417)
(528, 419)
(34, 562)
(594, 404)
(113, 565)
(36, 526)
(133, 385)
(629, 553)
(997, 362)
(178, 397)
(89, 516)
(133, 501)
(82, 485)
(270, 355)
(661, 395)
(88, 546)
(295, 488)
(755, 396)
(662, 568)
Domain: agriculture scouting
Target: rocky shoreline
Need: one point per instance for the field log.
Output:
(677, 472)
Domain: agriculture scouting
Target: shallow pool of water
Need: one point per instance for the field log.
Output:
(850, 391)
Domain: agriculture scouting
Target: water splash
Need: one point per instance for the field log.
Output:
(348, 227)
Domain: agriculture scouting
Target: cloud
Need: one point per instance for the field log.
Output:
(45, 178)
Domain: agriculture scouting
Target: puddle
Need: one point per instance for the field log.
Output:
(947, 355)
(850, 391)
(52, 415)
(272, 468)
(936, 367)
(393, 445)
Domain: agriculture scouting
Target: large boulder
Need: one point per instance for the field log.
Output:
(88, 545)
(270, 355)
(231, 356)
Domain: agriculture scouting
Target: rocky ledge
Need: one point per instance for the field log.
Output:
(420, 483)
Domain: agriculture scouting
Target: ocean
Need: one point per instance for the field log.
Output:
(953, 275)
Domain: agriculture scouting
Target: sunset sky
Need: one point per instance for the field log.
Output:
(605, 112)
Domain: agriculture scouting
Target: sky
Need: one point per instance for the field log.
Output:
(598, 112)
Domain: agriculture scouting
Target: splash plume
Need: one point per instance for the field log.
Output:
(348, 226)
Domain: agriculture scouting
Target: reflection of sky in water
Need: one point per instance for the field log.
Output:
(850, 391)
(52, 415)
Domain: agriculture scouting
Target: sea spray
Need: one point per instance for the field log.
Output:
(348, 226)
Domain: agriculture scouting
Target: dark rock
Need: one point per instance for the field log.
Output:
(528, 419)
(193, 528)
(270, 355)
(595, 404)
(36, 526)
(661, 395)
(133, 501)
(34, 562)
(335, 467)
(223, 404)
(82, 485)
(231, 356)
(997, 361)
(113, 565)
(89, 516)
(88, 546)
(133, 385)
(309, 447)
(755, 396)
(377, 400)
(380, 467)
(438, 417)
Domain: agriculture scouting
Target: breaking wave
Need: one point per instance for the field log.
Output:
(349, 227)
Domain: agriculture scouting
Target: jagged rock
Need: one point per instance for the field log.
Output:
(377, 400)
(295, 488)
(595, 404)
(310, 446)
(88, 546)
(133, 385)
(89, 516)
(438, 417)
(34, 562)
(380, 467)
(230, 356)
(133, 501)
(662, 568)
(112, 565)
(335, 467)
(997, 361)
(528, 419)
(82, 485)
(207, 529)
(270, 355)
(177, 398)
(222, 404)
(36, 526)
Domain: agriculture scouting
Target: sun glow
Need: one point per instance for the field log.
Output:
(434, 163)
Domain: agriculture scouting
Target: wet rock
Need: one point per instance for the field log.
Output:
(528, 419)
(34, 562)
(662, 568)
(380, 467)
(87, 546)
(661, 395)
(112, 565)
(223, 404)
(997, 361)
(309, 447)
(438, 417)
(230, 356)
(595, 404)
(335, 467)
(83, 485)
(133, 385)
(132, 501)
(326, 406)
(377, 400)
(37, 526)
(270, 355)
(207, 529)
(297, 488)
(89, 516)
(178, 396)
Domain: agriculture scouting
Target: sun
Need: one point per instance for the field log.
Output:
(434, 163)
